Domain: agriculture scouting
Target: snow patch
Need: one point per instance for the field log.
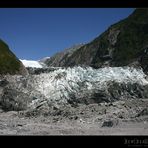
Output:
(31, 63)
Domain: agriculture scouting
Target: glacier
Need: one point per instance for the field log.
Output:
(31, 63)
(74, 85)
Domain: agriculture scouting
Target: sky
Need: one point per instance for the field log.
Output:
(35, 33)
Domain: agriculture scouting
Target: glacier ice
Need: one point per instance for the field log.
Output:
(31, 63)
(62, 85)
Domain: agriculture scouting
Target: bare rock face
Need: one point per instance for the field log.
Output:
(144, 60)
(110, 123)
(144, 112)
(112, 36)
(59, 59)
(11, 98)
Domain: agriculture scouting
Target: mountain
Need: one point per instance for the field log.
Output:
(9, 63)
(43, 60)
(123, 43)
(59, 59)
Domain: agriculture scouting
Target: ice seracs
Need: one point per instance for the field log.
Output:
(73, 85)
(64, 84)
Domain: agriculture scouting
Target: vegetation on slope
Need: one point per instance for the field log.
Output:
(9, 63)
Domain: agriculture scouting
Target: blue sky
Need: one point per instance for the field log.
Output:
(34, 33)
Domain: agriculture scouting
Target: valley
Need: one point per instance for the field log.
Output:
(96, 88)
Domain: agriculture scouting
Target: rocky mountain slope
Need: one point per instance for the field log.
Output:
(123, 43)
(59, 59)
(9, 63)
